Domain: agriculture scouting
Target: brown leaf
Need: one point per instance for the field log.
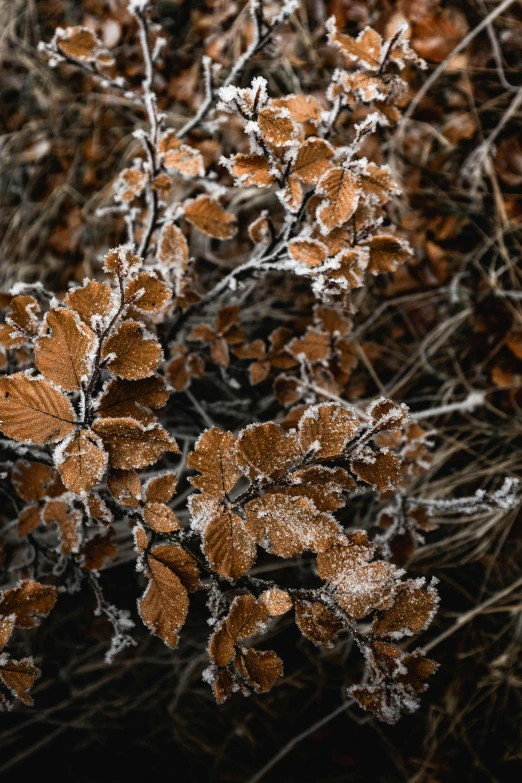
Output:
(209, 216)
(28, 601)
(302, 108)
(227, 542)
(131, 184)
(34, 411)
(324, 486)
(277, 128)
(411, 612)
(260, 669)
(310, 252)
(381, 469)
(387, 253)
(69, 525)
(313, 160)
(376, 183)
(23, 313)
(125, 486)
(325, 429)
(245, 618)
(121, 260)
(134, 355)
(180, 562)
(28, 520)
(91, 299)
(317, 622)
(131, 444)
(264, 450)
(147, 293)
(82, 44)
(19, 677)
(172, 248)
(164, 604)
(365, 49)
(98, 551)
(251, 170)
(340, 189)
(276, 601)
(160, 518)
(214, 458)
(186, 160)
(287, 526)
(81, 461)
(133, 398)
(63, 356)
(292, 194)
(7, 625)
(314, 346)
(33, 480)
(160, 489)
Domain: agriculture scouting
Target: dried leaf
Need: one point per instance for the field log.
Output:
(130, 353)
(276, 601)
(125, 486)
(310, 252)
(380, 469)
(90, 300)
(287, 526)
(214, 458)
(324, 486)
(133, 398)
(147, 293)
(186, 160)
(387, 253)
(64, 355)
(160, 518)
(251, 170)
(82, 44)
(81, 461)
(69, 525)
(411, 613)
(131, 444)
(317, 622)
(264, 450)
(131, 184)
(209, 216)
(260, 669)
(228, 544)
(160, 489)
(277, 128)
(325, 429)
(172, 248)
(98, 552)
(32, 480)
(28, 601)
(164, 604)
(34, 411)
(28, 520)
(313, 160)
(19, 676)
(340, 189)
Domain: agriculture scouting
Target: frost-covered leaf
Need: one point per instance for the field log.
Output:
(28, 602)
(317, 622)
(214, 458)
(35, 480)
(91, 299)
(287, 526)
(147, 293)
(28, 520)
(133, 398)
(366, 49)
(32, 410)
(313, 347)
(130, 353)
(19, 676)
(121, 260)
(7, 625)
(81, 44)
(160, 518)
(313, 160)
(64, 355)
(184, 159)
(125, 486)
(208, 215)
(259, 668)
(325, 429)
(131, 444)
(228, 544)
(250, 170)
(131, 184)
(81, 461)
(381, 469)
(245, 618)
(173, 249)
(164, 604)
(302, 108)
(322, 485)
(412, 611)
(98, 551)
(310, 252)
(160, 489)
(277, 126)
(387, 253)
(341, 196)
(264, 450)
(69, 525)
(276, 601)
